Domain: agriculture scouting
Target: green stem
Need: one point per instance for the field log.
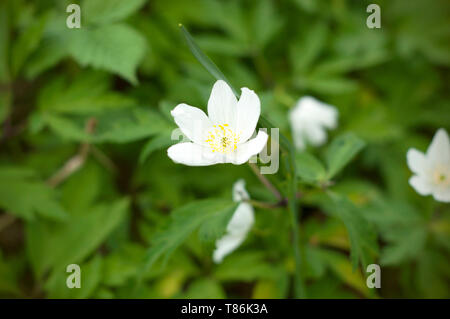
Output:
(299, 287)
(265, 181)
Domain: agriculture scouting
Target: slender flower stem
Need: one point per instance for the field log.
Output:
(264, 205)
(266, 182)
(293, 211)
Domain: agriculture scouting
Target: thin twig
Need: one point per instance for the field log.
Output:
(266, 182)
(75, 162)
(262, 204)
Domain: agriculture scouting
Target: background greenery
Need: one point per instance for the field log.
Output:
(95, 102)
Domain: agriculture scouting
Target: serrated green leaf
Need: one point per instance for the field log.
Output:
(404, 244)
(309, 168)
(27, 43)
(91, 274)
(114, 126)
(86, 94)
(303, 53)
(362, 235)
(25, 196)
(341, 151)
(116, 48)
(186, 220)
(266, 23)
(55, 247)
(251, 265)
(104, 12)
(340, 265)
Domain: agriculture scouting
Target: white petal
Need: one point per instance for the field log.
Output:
(192, 121)
(309, 119)
(226, 245)
(248, 111)
(326, 114)
(192, 154)
(315, 134)
(416, 161)
(222, 104)
(248, 149)
(242, 220)
(442, 194)
(237, 228)
(439, 150)
(239, 191)
(421, 185)
(320, 112)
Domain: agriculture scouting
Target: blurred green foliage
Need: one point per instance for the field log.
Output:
(95, 102)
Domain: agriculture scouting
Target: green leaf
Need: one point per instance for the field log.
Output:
(205, 288)
(404, 244)
(214, 213)
(116, 48)
(4, 43)
(159, 142)
(251, 265)
(124, 126)
(23, 195)
(304, 52)
(91, 274)
(327, 84)
(67, 129)
(50, 52)
(203, 58)
(309, 168)
(27, 42)
(122, 265)
(266, 23)
(104, 12)
(341, 151)
(56, 246)
(363, 239)
(340, 265)
(88, 93)
(115, 126)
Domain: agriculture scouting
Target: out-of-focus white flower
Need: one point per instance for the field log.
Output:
(222, 136)
(239, 225)
(309, 120)
(432, 170)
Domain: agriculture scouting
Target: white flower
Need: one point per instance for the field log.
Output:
(309, 119)
(432, 170)
(239, 225)
(222, 136)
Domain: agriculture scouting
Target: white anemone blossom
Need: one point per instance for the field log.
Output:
(224, 135)
(238, 226)
(432, 170)
(309, 119)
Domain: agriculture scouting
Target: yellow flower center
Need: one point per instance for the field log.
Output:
(222, 139)
(441, 176)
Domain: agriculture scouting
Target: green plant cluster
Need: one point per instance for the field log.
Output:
(85, 177)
